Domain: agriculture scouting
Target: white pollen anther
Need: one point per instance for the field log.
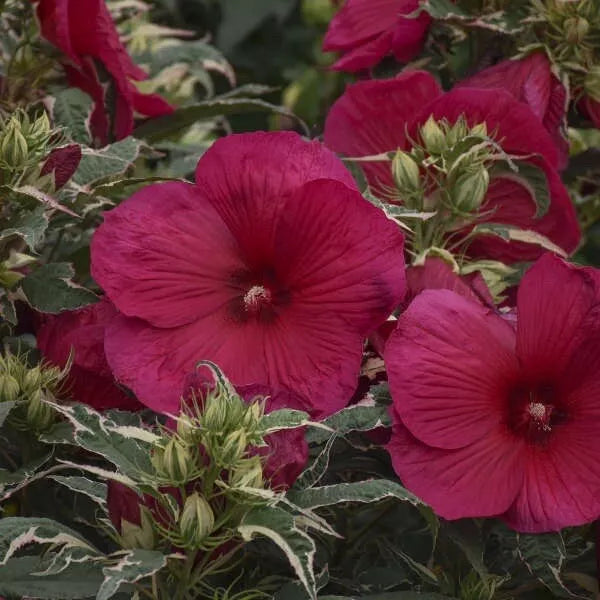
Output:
(537, 410)
(256, 296)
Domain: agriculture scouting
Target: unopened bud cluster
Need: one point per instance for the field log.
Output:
(446, 169)
(24, 142)
(208, 459)
(29, 387)
(570, 31)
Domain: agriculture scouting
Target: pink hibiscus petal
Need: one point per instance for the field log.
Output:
(553, 302)
(481, 479)
(561, 486)
(530, 80)
(250, 197)
(449, 363)
(358, 21)
(330, 268)
(171, 284)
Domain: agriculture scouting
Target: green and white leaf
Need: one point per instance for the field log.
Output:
(111, 161)
(79, 580)
(283, 419)
(514, 234)
(128, 448)
(160, 127)
(72, 109)
(18, 532)
(49, 289)
(280, 527)
(354, 418)
(132, 566)
(371, 490)
(95, 490)
(30, 227)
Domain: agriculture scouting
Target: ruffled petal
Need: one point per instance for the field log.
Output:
(554, 302)
(358, 21)
(249, 177)
(481, 479)
(166, 256)
(561, 486)
(448, 365)
(366, 55)
(351, 268)
(530, 80)
(410, 34)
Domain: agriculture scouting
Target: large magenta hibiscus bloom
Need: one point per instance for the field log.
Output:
(273, 266)
(493, 420)
(366, 31)
(379, 116)
(84, 31)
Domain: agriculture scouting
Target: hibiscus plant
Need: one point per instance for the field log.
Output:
(299, 299)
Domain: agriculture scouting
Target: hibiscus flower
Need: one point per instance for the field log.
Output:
(366, 31)
(84, 31)
(273, 266)
(531, 80)
(497, 419)
(81, 333)
(373, 117)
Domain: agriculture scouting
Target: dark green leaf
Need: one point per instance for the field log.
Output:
(49, 289)
(31, 227)
(72, 110)
(155, 129)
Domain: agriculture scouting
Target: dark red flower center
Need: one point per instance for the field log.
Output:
(534, 412)
(259, 296)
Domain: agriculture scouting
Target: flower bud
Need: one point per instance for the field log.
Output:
(13, 147)
(470, 189)
(247, 473)
(197, 520)
(433, 136)
(405, 172)
(32, 380)
(576, 28)
(214, 417)
(41, 128)
(233, 449)
(251, 419)
(173, 462)
(9, 388)
(40, 416)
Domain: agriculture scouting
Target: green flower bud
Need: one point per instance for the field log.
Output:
(139, 536)
(233, 449)
(13, 147)
(576, 28)
(247, 473)
(197, 520)
(40, 416)
(479, 130)
(214, 417)
(469, 190)
(41, 128)
(32, 380)
(9, 388)
(251, 419)
(433, 136)
(406, 172)
(173, 462)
